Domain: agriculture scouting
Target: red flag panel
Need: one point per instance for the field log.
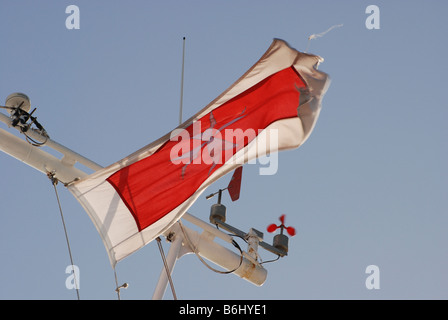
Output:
(154, 186)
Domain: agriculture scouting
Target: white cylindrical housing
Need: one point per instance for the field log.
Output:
(225, 258)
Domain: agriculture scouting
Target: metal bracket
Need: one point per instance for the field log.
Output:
(240, 233)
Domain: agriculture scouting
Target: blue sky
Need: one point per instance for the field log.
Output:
(367, 188)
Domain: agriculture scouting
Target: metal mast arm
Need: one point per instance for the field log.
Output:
(69, 155)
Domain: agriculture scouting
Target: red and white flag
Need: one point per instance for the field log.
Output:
(136, 199)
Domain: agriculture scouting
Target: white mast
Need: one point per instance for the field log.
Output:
(183, 240)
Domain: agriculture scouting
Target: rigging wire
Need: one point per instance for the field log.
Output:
(117, 290)
(54, 182)
(168, 273)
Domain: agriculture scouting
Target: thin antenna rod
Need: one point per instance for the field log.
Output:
(182, 83)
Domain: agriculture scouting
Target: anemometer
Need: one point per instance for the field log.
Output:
(254, 237)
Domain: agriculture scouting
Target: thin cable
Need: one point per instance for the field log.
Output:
(278, 257)
(116, 285)
(34, 142)
(168, 273)
(54, 182)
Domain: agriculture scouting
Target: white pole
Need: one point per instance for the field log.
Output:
(171, 259)
(225, 258)
(207, 227)
(70, 157)
(37, 158)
